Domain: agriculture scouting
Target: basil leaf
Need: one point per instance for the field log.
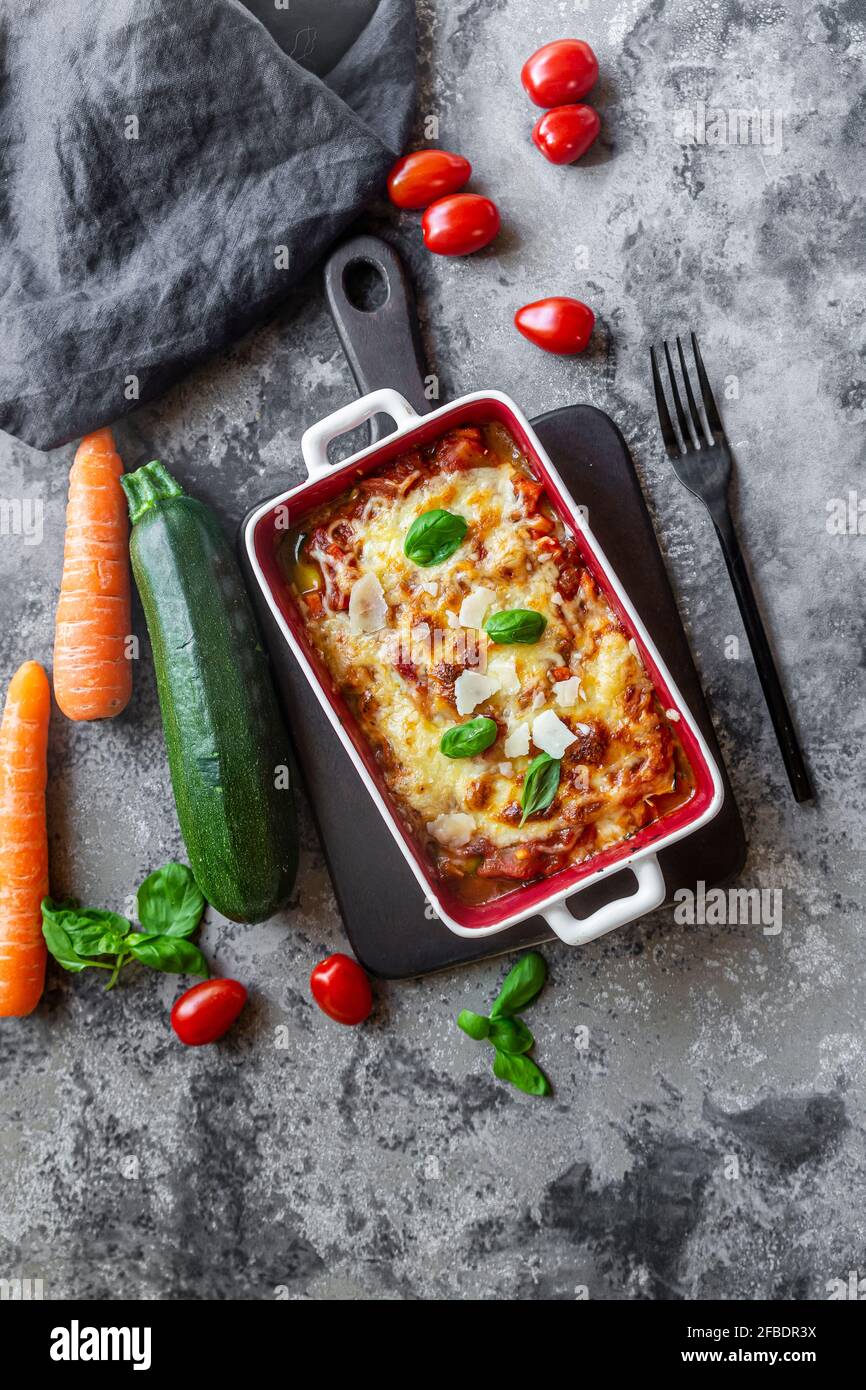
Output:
(540, 785)
(433, 536)
(472, 737)
(522, 1073)
(515, 625)
(55, 905)
(76, 919)
(98, 941)
(521, 985)
(80, 933)
(476, 1025)
(170, 902)
(510, 1035)
(59, 942)
(60, 946)
(169, 953)
(94, 931)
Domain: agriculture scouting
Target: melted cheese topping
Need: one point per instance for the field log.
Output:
(400, 680)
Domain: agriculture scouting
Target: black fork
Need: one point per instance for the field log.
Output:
(702, 462)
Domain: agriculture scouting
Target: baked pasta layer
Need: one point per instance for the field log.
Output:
(562, 747)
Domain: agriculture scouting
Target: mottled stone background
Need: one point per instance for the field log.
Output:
(387, 1162)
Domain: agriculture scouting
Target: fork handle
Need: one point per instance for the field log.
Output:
(767, 673)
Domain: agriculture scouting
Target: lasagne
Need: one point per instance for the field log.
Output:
(513, 722)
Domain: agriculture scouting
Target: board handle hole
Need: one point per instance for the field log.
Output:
(365, 285)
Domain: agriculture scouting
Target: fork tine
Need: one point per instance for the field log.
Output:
(700, 435)
(668, 432)
(713, 418)
(688, 443)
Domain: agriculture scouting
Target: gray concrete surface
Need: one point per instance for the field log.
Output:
(706, 1134)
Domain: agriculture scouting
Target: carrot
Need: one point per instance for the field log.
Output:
(23, 840)
(92, 671)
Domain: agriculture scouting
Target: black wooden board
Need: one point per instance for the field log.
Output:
(392, 931)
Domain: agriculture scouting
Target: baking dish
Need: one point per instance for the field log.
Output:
(546, 897)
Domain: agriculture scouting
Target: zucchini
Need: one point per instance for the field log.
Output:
(228, 749)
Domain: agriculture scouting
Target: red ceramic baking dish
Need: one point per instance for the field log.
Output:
(545, 897)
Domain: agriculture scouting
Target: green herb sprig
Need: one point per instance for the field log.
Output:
(170, 905)
(523, 625)
(465, 740)
(540, 785)
(434, 536)
(509, 1036)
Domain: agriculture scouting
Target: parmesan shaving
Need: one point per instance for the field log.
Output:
(567, 692)
(471, 689)
(517, 743)
(503, 670)
(474, 606)
(452, 829)
(368, 611)
(551, 735)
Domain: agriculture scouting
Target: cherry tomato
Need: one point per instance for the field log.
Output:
(459, 224)
(341, 989)
(207, 1011)
(560, 72)
(566, 132)
(417, 179)
(558, 324)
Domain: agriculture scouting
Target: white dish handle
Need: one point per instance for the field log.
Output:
(650, 894)
(315, 440)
